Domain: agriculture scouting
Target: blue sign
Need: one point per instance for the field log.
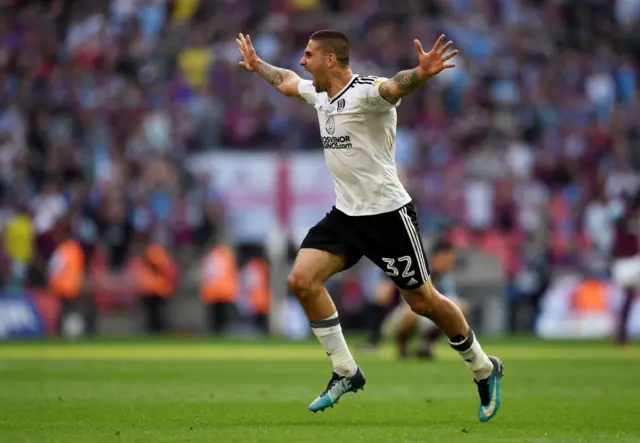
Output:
(19, 316)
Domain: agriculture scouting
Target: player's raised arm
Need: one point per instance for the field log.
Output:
(430, 64)
(284, 80)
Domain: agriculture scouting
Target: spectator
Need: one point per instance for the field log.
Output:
(116, 94)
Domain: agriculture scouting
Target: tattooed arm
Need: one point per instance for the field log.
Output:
(284, 80)
(402, 84)
(431, 63)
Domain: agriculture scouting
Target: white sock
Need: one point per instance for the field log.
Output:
(474, 357)
(330, 336)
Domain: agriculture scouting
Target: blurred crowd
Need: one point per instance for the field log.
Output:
(519, 150)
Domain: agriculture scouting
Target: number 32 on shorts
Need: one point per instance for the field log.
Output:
(405, 264)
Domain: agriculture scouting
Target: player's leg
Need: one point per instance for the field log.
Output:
(322, 255)
(430, 333)
(406, 330)
(375, 318)
(401, 325)
(402, 256)
(218, 311)
(626, 274)
(623, 320)
(379, 301)
(427, 341)
(487, 371)
(211, 313)
(311, 268)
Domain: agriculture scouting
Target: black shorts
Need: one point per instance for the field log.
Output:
(390, 240)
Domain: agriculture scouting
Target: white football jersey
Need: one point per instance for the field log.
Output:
(358, 129)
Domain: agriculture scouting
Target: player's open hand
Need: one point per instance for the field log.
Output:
(251, 59)
(434, 61)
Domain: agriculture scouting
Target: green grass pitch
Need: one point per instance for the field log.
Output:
(245, 392)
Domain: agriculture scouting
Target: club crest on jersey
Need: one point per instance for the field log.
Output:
(341, 104)
(330, 126)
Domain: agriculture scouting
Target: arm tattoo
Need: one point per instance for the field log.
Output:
(275, 76)
(280, 78)
(407, 81)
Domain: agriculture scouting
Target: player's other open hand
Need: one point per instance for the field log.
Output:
(251, 59)
(434, 61)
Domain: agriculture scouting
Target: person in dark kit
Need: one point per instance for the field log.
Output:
(117, 230)
(383, 297)
(625, 268)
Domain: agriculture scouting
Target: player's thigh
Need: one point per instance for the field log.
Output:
(396, 247)
(421, 299)
(323, 253)
(314, 266)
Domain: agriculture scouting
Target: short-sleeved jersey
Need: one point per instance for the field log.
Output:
(358, 129)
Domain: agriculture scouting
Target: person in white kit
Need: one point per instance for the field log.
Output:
(373, 215)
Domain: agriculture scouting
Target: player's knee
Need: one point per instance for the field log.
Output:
(300, 284)
(423, 300)
(421, 307)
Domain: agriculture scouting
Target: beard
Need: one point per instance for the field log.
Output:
(320, 87)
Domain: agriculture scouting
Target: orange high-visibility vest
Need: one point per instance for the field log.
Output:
(219, 281)
(156, 272)
(66, 270)
(591, 296)
(258, 286)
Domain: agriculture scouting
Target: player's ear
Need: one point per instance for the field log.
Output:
(331, 60)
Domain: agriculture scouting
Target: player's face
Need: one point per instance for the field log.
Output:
(315, 62)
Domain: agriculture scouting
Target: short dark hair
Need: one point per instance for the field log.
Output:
(441, 245)
(335, 42)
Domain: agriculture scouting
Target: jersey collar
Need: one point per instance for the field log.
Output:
(343, 90)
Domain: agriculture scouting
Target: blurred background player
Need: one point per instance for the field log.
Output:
(382, 295)
(626, 257)
(403, 324)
